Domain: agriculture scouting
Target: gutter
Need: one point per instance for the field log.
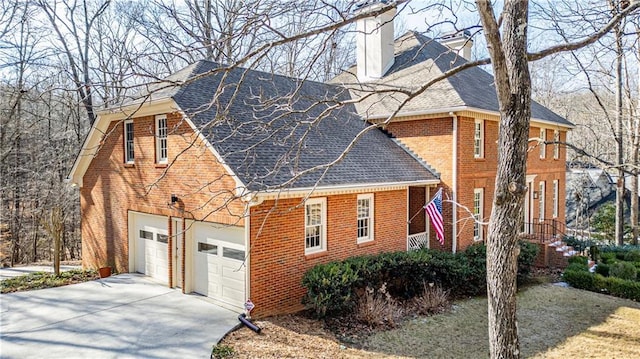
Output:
(454, 184)
(255, 198)
(445, 110)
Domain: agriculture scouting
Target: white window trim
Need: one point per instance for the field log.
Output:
(371, 217)
(556, 197)
(541, 198)
(323, 224)
(543, 146)
(479, 217)
(556, 145)
(126, 139)
(478, 151)
(159, 138)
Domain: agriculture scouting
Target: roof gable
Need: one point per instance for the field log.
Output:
(418, 60)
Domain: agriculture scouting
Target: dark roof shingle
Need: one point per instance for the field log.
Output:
(273, 130)
(419, 59)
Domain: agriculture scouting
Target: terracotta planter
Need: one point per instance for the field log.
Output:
(104, 272)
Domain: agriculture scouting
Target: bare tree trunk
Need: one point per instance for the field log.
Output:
(55, 227)
(619, 235)
(513, 84)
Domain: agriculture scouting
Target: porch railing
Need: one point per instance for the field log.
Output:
(417, 241)
(547, 230)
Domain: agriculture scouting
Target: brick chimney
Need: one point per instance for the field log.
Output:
(374, 40)
(459, 42)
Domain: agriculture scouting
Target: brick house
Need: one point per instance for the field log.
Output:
(218, 181)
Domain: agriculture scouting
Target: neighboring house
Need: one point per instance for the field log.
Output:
(587, 189)
(218, 183)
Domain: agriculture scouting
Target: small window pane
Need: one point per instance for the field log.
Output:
(233, 253)
(207, 248)
(163, 238)
(146, 235)
(128, 142)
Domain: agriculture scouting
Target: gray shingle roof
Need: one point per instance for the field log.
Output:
(270, 128)
(419, 59)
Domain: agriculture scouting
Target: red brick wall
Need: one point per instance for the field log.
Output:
(431, 139)
(277, 258)
(111, 188)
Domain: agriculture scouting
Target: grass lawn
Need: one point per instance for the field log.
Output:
(41, 280)
(553, 322)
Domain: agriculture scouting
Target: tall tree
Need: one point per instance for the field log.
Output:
(73, 24)
(507, 46)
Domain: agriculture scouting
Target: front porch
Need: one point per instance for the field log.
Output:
(417, 221)
(548, 234)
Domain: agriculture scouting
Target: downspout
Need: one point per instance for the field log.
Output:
(247, 242)
(250, 200)
(454, 183)
(183, 268)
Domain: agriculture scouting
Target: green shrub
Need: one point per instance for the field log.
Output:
(476, 256)
(608, 257)
(602, 269)
(330, 287)
(577, 266)
(623, 270)
(632, 256)
(528, 253)
(622, 288)
(578, 259)
(580, 279)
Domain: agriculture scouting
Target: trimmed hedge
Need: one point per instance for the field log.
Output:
(580, 277)
(332, 287)
(623, 270)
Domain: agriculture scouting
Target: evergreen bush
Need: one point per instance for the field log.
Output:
(623, 270)
(332, 287)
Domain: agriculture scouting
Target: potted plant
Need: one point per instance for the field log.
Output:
(104, 272)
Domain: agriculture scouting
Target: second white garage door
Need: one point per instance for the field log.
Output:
(219, 263)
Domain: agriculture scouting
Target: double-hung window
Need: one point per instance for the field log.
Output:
(365, 218)
(478, 139)
(161, 139)
(128, 141)
(556, 198)
(478, 201)
(541, 196)
(315, 236)
(556, 144)
(543, 145)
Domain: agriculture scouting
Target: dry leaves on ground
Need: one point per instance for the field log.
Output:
(292, 337)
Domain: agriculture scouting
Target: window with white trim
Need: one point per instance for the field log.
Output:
(478, 139)
(543, 145)
(161, 139)
(478, 204)
(556, 144)
(541, 203)
(128, 141)
(365, 217)
(315, 236)
(556, 203)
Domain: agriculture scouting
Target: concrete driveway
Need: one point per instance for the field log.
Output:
(124, 316)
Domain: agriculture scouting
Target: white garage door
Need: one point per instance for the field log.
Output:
(219, 257)
(151, 246)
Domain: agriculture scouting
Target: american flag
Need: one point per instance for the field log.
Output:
(434, 210)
